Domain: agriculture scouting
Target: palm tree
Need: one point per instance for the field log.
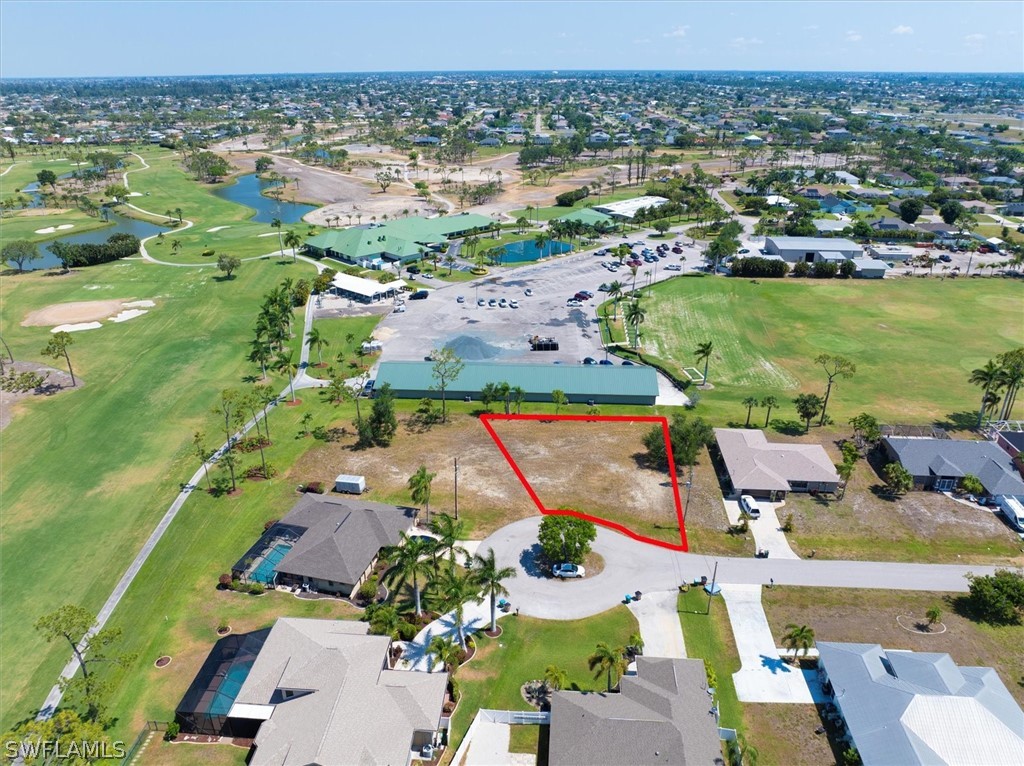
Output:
(703, 353)
(449, 531)
(933, 615)
(260, 353)
(316, 340)
(636, 642)
(444, 650)
(541, 240)
(798, 638)
(741, 753)
(489, 575)
(386, 621)
(518, 395)
(771, 403)
(989, 378)
(419, 483)
(409, 560)
(606, 660)
(449, 261)
(276, 224)
(845, 472)
(175, 246)
(750, 402)
(555, 678)
(615, 292)
(292, 240)
(453, 592)
(635, 316)
(285, 362)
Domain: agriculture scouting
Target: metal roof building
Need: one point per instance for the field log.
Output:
(810, 249)
(906, 708)
(627, 208)
(581, 383)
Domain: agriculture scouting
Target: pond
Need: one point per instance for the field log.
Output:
(247, 190)
(122, 225)
(527, 250)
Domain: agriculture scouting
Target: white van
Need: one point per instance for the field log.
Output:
(749, 504)
(1013, 510)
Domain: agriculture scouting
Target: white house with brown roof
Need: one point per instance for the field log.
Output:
(759, 467)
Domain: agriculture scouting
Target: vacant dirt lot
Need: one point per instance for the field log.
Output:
(869, 616)
(595, 467)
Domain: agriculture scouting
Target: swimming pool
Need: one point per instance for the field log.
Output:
(527, 250)
(228, 690)
(264, 572)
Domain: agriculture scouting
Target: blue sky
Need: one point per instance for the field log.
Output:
(40, 38)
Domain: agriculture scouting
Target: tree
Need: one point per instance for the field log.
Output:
(933, 615)
(615, 292)
(117, 192)
(835, 367)
(559, 399)
(866, 427)
(661, 226)
(749, 402)
(541, 240)
(808, 406)
(566, 538)
(910, 209)
(276, 224)
(446, 651)
(950, 211)
(489, 575)
(317, 340)
(64, 733)
(687, 435)
(20, 252)
(449, 531)
(769, 402)
(90, 646)
(555, 678)
(57, 347)
(447, 366)
(488, 395)
(972, 485)
(47, 178)
(292, 240)
(518, 395)
(201, 451)
(451, 594)
(703, 354)
(607, 661)
(284, 362)
(740, 752)
(409, 562)
(419, 484)
(228, 264)
(382, 423)
(384, 179)
(898, 480)
(997, 598)
(635, 316)
(384, 620)
(798, 638)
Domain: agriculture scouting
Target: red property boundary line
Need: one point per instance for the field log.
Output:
(488, 417)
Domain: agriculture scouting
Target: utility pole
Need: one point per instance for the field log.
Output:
(456, 489)
(711, 591)
(689, 485)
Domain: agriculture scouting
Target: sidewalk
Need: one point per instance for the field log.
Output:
(475, 617)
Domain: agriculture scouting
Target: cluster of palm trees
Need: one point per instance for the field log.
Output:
(269, 347)
(288, 238)
(612, 662)
(503, 392)
(1000, 380)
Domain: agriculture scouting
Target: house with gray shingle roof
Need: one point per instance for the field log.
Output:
(904, 708)
(940, 464)
(325, 695)
(759, 467)
(661, 715)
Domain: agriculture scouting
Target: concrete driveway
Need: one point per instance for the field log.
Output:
(767, 530)
(763, 677)
(658, 616)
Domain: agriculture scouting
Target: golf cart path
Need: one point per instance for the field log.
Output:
(763, 677)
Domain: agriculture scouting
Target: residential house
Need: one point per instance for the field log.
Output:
(814, 192)
(752, 140)
(426, 140)
(811, 249)
(759, 467)
(661, 715)
(829, 226)
(998, 181)
(910, 191)
(598, 137)
(890, 224)
(1014, 208)
(325, 544)
(940, 464)
(905, 708)
(957, 182)
(896, 178)
(830, 203)
(870, 194)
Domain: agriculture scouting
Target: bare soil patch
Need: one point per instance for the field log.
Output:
(55, 381)
(74, 311)
(594, 467)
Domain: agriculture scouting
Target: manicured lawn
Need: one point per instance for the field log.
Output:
(709, 637)
(914, 341)
(494, 677)
(24, 226)
(87, 473)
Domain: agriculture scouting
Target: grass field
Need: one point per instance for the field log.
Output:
(709, 637)
(914, 341)
(24, 225)
(87, 473)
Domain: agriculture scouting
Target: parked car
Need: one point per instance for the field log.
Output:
(419, 295)
(673, 267)
(603, 288)
(606, 362)
(589, 360)
(481, 302)
(492, 303)
(677, 250)
(513, 304)
(574, 304)
(587, 293)
(528, 291)
(428, 275)
(749, 504)
(945, 258)
(744, 251)
(627, 363)
(460, 299)
(503, 303)
(568, 571)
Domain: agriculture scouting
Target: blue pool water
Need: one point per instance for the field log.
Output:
(264, 572)
(247, 190)
(527, 250)
(228, 690)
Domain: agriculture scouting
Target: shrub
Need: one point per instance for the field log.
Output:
(712, 677)
(407, 631)
(453, 686)
(225, 580)
(847, 268)
(208, 253)
(269, 523)
(257, 472)
(368, 590)
(252, 443)
(801, 269)
(787, 525)
(851, 757)
(971, 485)
(759, 267)
(173, 728)
(316, 487)
(256, 588)
(824, 270)
(570, 198)
(223, 625)
(236, 584)
(997, 598)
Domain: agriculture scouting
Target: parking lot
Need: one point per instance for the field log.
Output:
(503, 334)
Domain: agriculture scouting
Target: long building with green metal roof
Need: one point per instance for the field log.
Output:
(588, 216)
(582, 384)
(402, 240)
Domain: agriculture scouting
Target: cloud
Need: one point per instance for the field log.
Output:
(902, 29)
(853, 36)
(744, 42)
(811, 27)
(679, 31)
(975, 38)
(642, 41)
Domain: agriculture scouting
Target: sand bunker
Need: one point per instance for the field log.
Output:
(217, 228)
(134, 194)
(79, 312)
(268, 234)
(52, 229)
(76, 327)
(124, 316)
(64, 226)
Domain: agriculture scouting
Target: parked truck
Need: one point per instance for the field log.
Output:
(538, 343)
(350, 484)
(1013, 510)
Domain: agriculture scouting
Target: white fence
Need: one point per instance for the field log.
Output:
(515, 716)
